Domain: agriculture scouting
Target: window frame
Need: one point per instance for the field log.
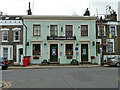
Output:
(33, 30)
(81, 30)
(72, 29)
(36, 42)
(3, 36)
(114, 29)
(109, 41)
(57, 29)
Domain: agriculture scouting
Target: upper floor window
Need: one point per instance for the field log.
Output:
(84, 30)
(36, 30)
(16, 34)
(4, 35)
(69, 30)
(113, 31)
(101, 31)
(53, 30)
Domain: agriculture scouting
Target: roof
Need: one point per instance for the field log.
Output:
(62, 17)
(11, 17)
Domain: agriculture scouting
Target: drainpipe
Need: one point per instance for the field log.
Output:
(25, 37)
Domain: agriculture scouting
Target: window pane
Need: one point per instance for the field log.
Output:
(53, 30)
(69, 30)
(5, 52)
(36, 30)
(113, 31)
(16, 35)
(110, 46)
(5, 35)
(84, 30)
(69, 49)
(36, 49)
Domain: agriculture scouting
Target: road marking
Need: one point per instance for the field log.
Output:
(5, 84)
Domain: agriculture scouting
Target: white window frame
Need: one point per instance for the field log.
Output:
(9, 53)
(115, 29)
(4, 30)
(16, 30)
(33, 30)
(65, 29)
(36, 42)
(99, 33)
(107, 41)
(57, 29)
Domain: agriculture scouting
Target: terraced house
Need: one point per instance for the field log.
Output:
(60, 39)
(11, 38)
(110, 33)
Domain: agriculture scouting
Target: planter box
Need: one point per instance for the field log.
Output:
(92, 57)
(35, 57)
(69, 57)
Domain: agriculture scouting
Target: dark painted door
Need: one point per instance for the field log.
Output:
(54, 53)
(84, 52)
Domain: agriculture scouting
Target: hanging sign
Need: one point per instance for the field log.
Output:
(61, 38)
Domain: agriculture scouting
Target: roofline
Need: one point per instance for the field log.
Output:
(59, 17)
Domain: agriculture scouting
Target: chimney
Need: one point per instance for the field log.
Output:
(87, 12)
(29, 10)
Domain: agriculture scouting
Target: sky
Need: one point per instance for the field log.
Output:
(56, 7)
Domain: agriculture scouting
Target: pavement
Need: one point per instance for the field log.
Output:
(54, 66)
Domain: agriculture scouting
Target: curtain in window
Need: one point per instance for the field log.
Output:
(84, 30)
(5, 35)
(36, 49)
(53, 30)
(69, 30)
(69, 49)
(36, 30)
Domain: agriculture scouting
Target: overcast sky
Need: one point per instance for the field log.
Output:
(55, 7)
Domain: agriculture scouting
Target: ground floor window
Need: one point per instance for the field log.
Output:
(5, 52)
(36, 49)
(110, 47)
(69, 49)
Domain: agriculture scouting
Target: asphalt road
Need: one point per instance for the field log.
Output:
(101, 77)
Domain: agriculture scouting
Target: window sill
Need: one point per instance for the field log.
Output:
(16, 41)
(4, 41)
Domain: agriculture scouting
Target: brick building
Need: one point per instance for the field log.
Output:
(110, 32)
(11, 40)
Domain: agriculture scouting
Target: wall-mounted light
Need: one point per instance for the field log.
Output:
(77, 44)
(93, 43)
(61, 29)
(61, 44)
(78, 26)
(45, 44)
(27, 44)
(48, 26)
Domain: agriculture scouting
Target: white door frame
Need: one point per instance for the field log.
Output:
(17, 54)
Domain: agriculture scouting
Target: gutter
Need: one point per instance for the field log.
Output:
(25, 37)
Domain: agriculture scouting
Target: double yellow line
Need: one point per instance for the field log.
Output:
(5, 85)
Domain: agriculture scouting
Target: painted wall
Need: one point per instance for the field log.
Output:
(61, 23)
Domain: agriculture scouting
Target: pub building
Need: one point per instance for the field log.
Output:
(60, 39)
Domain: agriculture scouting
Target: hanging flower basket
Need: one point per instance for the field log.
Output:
(35, 57)
(92, 57)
